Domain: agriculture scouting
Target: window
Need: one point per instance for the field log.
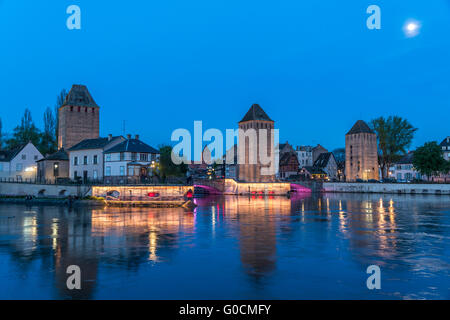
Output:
(1, 167)
(108, 171)
(94, 160)
(75, 174)
(131, 171)
(133, 156)
(56, 169)
(24, 157)
(35, 157)
(85, 160)
(144, 156)
(95, 175)
(75, 161)
(122, 156)
(108, 157)
(122, 170)
(71, 108)
(19, 167)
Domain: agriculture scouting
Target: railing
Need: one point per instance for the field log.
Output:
(88, 182)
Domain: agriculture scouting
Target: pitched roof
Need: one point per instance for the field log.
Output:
(407, 159)
(445, 142)
(61, 155)
(255, 113)
(323, 159)
(132, 145)
(79, 96)
(360, 127)
(98, 143)
(286, 158)
(8, 155)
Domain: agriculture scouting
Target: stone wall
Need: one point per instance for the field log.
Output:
(397, 188)
(42, 190)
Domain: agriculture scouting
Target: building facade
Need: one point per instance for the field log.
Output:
(317, 151)
(53, 168)
(327, 163)
(131, 161)
(361, 153)
(445, 146)
(86, 158)
(19, 163)
(251, 166)
(304, 155)
(404, 171)
(288, 165)
(78, 118)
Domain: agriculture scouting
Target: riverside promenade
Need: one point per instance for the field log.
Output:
(392, 188)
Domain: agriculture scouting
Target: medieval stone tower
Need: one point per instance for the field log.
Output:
(361, 153)
(250, 171)
(78, 118)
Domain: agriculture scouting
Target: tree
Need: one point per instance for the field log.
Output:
(166, 166)
(428, 160)
(48, 143)
(339, 155)
(25, 132)
(394, 136)
(59, 102)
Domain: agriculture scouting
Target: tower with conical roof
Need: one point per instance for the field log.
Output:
(78, 118)
(361, 153)
(250, 163)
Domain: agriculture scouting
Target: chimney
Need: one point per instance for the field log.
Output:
(109, 137)
(128, 136)
(136, 137)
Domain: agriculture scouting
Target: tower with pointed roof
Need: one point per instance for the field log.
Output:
(250, 164)
(78, 118)
(361, 153)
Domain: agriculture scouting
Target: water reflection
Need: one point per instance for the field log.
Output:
(272, 237)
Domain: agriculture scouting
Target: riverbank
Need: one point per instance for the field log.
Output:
(93, 203)
(392, 188)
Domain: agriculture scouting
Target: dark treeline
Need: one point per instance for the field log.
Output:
(45, 139)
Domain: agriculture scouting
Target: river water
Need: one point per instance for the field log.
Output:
(307, 247)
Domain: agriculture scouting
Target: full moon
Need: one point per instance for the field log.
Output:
(411, 28)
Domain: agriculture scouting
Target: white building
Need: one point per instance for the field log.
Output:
(305, 156)
(131, 161)
(19, 163)
(86, 158)
(403, 170)
(445, 145)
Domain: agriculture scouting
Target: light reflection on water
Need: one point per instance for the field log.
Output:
(306, 247)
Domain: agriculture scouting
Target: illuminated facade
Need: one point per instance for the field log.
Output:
(361, 153)
(250, 164)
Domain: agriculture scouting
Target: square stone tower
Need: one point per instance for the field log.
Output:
(361, 153)
(78, 118)
(249, 146)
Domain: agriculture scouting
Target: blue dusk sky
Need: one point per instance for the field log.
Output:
(313, 66)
